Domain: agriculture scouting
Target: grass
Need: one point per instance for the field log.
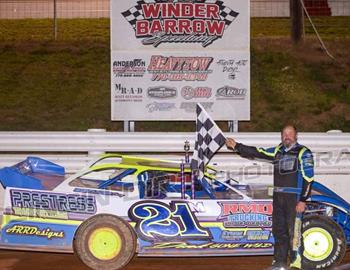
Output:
(65, 84)
(328, 27)
(69, 30)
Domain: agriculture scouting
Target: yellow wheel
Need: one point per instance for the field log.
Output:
(324, 243)
(318, 244)
(105, 242)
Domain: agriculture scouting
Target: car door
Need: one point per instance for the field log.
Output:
(220, 220)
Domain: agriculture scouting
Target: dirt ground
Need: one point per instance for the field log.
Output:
(15, 260)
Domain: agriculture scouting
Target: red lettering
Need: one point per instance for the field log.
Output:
(201, 63)
(173, 10)
(216, 28)
(170, 26)
(247, 208)
(178, 10)
(199, 11)
(213, 11)
(256, 208)
(154, 62)
(184, 26)
(142, 28)
(229, 209)
(156, 26)
(151, 10)
(265, 209)
(198, 27)
(187, 10)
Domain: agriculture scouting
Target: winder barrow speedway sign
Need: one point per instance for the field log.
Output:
(166, 56)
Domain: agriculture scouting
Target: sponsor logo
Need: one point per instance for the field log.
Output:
(232, 235)
(78, 204)
(228, 92)
(231, 67)
(246, 214)
(34, 231)
(129, 68)
(258, 235)
(189, 92)
(175, 68)
(191, 21)
(127, 91)
(161, 92)
(127, 94)
(43, 213)
(160, 107)
(190, 107)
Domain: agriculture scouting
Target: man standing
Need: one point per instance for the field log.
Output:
(293, 168)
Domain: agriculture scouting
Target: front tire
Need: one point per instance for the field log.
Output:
(324, 243)
(105, 242)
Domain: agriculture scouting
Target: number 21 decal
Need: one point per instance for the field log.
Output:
(157, 220)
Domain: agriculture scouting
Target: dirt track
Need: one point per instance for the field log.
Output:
(13, 260)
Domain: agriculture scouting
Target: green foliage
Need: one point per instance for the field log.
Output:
(65, 84)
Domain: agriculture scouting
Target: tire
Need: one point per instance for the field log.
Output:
(324, 243)
(105, 242)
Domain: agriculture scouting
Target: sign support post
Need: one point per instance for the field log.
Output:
(129, 126)
(233, 126)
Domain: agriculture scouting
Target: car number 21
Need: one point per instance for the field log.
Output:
(156, 220)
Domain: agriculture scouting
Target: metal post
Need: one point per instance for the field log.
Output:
(297, 21)
(93, 154)
(55, 19)
(187, 149)
(129, 126)
(187, 161)
(183, 184)
(233, 126)
(193, 179)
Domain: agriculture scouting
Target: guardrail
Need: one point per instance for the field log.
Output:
(74, 150)
(151, 142)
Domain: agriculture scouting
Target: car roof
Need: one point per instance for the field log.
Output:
(134, 162)
(142, 163)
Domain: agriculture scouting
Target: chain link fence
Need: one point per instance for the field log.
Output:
(48, 18)
(22, 9)
(65, 9)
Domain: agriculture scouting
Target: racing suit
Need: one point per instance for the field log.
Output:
(293, 168)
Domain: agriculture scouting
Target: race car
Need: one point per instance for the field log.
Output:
(121, 205)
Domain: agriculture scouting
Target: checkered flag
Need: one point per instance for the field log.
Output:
(209, 139)
(134, 14)
(225, 13)
(228, 15)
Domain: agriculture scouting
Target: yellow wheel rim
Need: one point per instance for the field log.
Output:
(318, 244)
(105, 243)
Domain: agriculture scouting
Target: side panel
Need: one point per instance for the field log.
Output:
(40, 220)
(38, 234)
(203, 227)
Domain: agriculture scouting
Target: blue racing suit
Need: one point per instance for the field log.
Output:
(293, 168)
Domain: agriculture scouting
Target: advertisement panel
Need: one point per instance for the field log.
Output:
(168, 55)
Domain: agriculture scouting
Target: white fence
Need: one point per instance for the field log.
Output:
(73, 150)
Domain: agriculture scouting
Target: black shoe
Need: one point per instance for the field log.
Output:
(278, 266)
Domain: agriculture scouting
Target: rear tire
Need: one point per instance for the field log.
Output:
(324, 243)
(105, 242)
